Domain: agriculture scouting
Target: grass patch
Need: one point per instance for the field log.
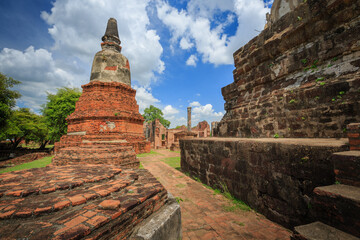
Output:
(236, 204)
(239, 223)
(179, 199)
(180, 185)
(174, 151)
(148, 154)
(40, 163)
(173, 162)
(141, 166)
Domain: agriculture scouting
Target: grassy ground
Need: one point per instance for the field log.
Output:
(172, 162)
(43, 162)
(36, 146)
(147, 154)
(235, 205)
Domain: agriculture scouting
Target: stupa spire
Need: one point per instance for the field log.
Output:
(111, 38)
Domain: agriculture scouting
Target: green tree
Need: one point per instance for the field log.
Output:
(40, 133)
(22, 125)
(151, 113)
(57, 108)
(7, 99)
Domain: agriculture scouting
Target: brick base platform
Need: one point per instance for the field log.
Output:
(106, 127)
(72, 202)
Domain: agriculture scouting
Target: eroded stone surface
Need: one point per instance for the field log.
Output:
(274, 176)
(299, 77)
(66, 202)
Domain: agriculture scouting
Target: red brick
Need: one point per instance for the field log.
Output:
(48, 190)
(110, 204)
(90, 196)
(61, 205)
(9, 207)
(77, 200)
(98, 221)
(76, 232)
(103, 193)
(354, 148)
(354, 141)
(89, 214)
(111, 68)
(76, 221)
(42, 210)
(6, 214)
(23, 213)
(353, 135)
(117, 214)
(14, 193)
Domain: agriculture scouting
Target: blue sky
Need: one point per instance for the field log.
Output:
(180, 52)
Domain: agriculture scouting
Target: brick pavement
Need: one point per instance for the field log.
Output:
(79, 201)
(203, 214)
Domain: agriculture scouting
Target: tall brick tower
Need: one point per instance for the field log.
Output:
(106, 126)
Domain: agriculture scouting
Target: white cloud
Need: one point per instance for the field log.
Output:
(172, 114)
(77, 28)
(192, 61)
(204, 112)
(170, 110)
(195, 104)
(196, 25)
(185, 44)
(144, 98)
(38, 72)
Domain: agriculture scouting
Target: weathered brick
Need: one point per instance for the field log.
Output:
(98, 221)
(42, 210)
(110, 204)
(6, 214)
(304, 69)
(77, 200)
(76, 221)
(61, 205)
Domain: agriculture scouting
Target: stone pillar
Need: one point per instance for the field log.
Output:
(189, 118)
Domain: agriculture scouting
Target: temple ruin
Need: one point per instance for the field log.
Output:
(161, 137)
(90, 191)
(291, 113)
(106, 126)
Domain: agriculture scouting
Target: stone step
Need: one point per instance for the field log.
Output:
(320, 231)
(347, 167)
(339, 206)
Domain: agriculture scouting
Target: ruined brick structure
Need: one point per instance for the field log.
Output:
(202, 129)
(80, 202)
(161, 137)
(300, 76)
(106, 126)
(156, 134)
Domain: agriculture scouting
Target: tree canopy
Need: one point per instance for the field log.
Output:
(151, 113)
(7, 99)
(25, 125)
(57, 108)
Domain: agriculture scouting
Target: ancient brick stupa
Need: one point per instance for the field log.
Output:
(106, 126)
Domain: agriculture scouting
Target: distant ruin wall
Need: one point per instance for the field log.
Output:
(274, 176)
(299, 77)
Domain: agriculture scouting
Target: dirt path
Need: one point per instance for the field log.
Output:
(202, 212)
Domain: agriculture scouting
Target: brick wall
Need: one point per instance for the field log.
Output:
(274, 176)
(299, 77)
